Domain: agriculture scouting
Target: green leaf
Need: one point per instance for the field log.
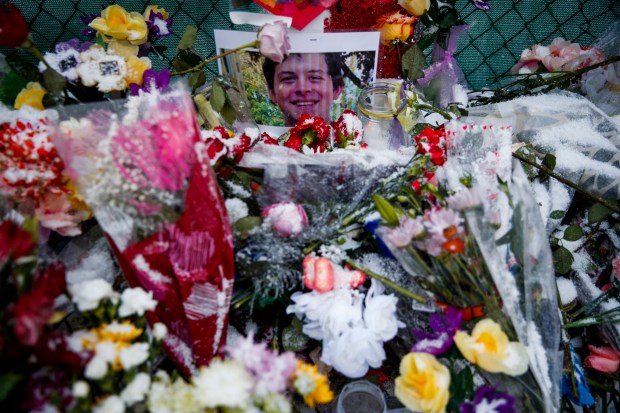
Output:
(10, 86)
(426, 40)
(188, 39)
(185, 59)
(229, 113)
(448, 17)
(387, 211)
(562, 260)
(549, 161)
(23, 68)
(557, 214)
(413, 62)
(598, 213)
(54, 82)
(8, 381)
(419, 128)
(100, 41)
(573, 233)
(461, 388)
(197, 79)
(246, 224)
(218, 96)
(293, 338)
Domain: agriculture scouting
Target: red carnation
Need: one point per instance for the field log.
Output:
(432, 142)
(14, 241)
(268, 140)
(241, 147)
(348, 129)
(13, 27)
(310, 131)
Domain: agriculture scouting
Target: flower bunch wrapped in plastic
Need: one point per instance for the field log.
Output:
(33, 176)
(474, 245)
(138, 164)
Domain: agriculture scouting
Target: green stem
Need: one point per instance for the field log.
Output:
(37, 53)
(433, 109)
(387, 282)
(565, 181)
(199, 66)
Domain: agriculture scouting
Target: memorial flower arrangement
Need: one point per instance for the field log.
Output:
(430, 269)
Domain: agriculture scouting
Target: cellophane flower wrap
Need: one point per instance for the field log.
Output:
(486, 249)
(139, 164)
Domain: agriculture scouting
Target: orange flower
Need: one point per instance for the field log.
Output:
(394, 27)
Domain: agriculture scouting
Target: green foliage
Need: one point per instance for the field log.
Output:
(10, 86)
(387, 211)
(573, 233)
(461, 388)
(413, 62)
(598, 213)
(218, 96)
(23, 68)
(8, 381)
(557, 214)
(188, 39)
(562, 260)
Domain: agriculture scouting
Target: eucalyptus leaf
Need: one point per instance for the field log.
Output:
(188, 39)
(562, 260)
(412, 63)
(573, 233)
(218, 96)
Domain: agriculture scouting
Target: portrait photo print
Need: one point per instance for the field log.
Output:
(323, 74)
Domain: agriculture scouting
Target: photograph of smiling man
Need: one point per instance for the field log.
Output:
(322, 76)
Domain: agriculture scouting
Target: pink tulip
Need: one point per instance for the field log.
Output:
(604, 359)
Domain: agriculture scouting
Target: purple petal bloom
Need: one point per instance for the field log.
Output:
(481, 4)
(488, 399)
(151, 81)
(89, 31)
(442, 337)
(158, 26)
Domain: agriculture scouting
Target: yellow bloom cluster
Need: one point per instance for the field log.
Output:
(116, 23)
(312, 385)
(489, 348)
(32, 95)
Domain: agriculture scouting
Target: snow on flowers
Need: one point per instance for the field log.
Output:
(352, 325)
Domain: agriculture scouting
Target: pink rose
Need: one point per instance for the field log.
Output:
(286, 219)
(603, 359)
(274, 41)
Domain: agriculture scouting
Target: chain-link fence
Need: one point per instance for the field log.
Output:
(493, 44)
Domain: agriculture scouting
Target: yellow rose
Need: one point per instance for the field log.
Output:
(394, 27)
(155, 9)
(415, 7)
(117, 23)
(31, 95)
(423, 384)
(489, 348)
(135, 65)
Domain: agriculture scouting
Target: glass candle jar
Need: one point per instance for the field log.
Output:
(361, 397)
(378, 107)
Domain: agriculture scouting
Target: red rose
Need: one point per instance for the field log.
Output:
(35, 308)
(14, 241)
(13, 27)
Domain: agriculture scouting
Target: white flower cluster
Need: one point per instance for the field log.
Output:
(353, 327)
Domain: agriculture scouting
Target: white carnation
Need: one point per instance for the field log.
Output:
(167, 397)
(88, 294)
(223, 384)
(112, 404)
(159, 331)
(80, 389)
(137, 389)
(136, 301)
(134, 355)
(96, 368)
(236, 209)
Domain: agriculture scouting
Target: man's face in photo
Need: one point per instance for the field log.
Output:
(302, 84)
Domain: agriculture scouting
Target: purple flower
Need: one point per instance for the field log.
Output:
(151, 82)
(442, 338)
(88, 31)
(488, 399)
(73, 44)
(158, 26)
(481, 4)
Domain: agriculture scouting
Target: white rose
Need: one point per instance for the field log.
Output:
(87, 295)
(137, 389)
(134, 355)
(354, 352)
(136, 301)
(80, 389)
(96, 368)
(159, 331)
(112, 404)
(380, 315)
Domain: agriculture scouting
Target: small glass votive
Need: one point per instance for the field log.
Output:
(361, 397)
